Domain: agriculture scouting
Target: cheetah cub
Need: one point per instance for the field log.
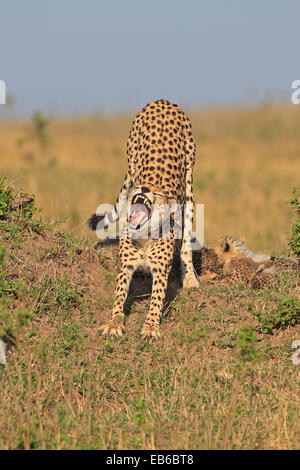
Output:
(230, 259)
(239, 263)
(161, 155)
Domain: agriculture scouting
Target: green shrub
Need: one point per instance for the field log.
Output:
(287, 313)
(294, 235)
(17, 209)
(6, 195)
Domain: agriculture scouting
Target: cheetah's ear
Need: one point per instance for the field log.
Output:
(243, 239)
(224, 245)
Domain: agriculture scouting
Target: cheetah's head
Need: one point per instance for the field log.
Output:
(148, 207)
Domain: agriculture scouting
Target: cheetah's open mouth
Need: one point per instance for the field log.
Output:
(140, 211)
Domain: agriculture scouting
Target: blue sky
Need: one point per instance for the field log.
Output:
(68, 56)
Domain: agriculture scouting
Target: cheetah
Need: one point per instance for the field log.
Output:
(229, 248)
(240, 263)
(161, 156)
(237, 262)
(230, 259)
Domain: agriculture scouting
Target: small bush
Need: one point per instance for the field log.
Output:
(294, 235)
(287, 313)
(6, 195)
(17, 209)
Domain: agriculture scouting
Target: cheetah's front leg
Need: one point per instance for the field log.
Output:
(159, 258)
(129, 259)
(150, 329)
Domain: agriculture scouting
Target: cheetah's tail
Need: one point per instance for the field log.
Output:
(106, 220)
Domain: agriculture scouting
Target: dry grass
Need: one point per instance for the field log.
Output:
(66, 387)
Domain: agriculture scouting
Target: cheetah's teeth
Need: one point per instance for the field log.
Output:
(141, 199)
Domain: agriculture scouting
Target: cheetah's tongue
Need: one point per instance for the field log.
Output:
(138, 216)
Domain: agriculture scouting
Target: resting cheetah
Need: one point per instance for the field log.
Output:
(230, 259)
(161, 155)
(239, 263)
(229, 248)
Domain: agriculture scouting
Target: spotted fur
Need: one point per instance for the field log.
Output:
(231, 259)
(161, 155)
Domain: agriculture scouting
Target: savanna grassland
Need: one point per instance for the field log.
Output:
(221, 377)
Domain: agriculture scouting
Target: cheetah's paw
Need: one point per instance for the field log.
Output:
(113, 328)
(150, 332)
(190, 281)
